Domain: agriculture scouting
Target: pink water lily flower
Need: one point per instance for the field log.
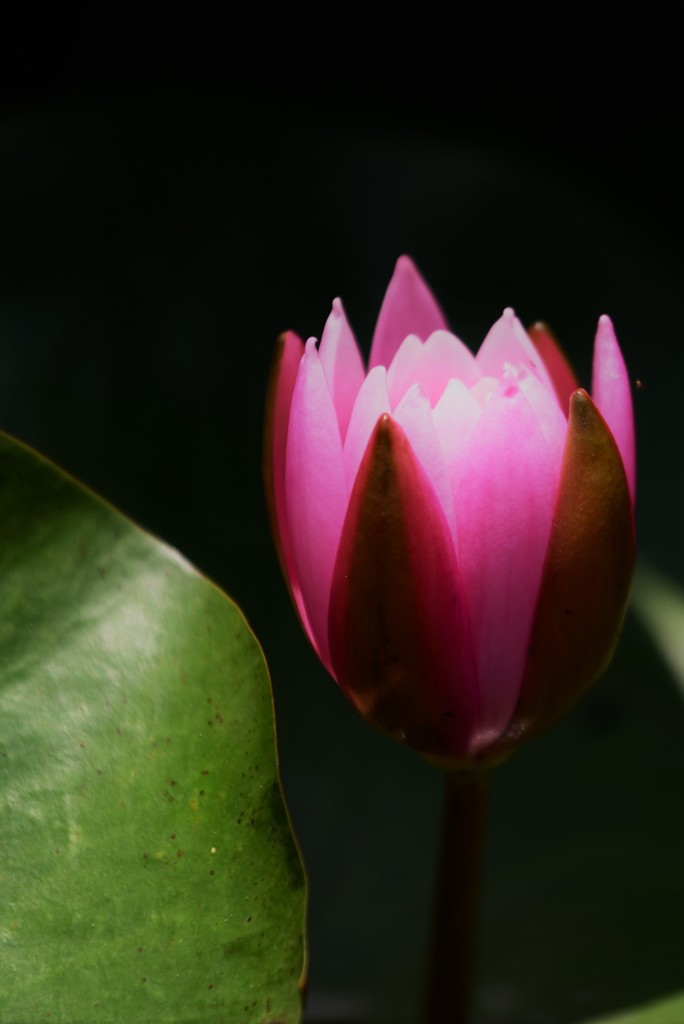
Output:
(456, 530)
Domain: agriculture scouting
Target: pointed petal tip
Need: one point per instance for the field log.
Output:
(285, 340)
(508, 341)
(581, 397)
(405, 264)
(541, 327)
(611, 391)
(583, 411)
(409, 307)
(334, 325)
(407, 274)
(287, 353)
(605, 332)
(387, 440)
(384, 431)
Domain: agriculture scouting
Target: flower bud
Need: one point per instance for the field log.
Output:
(456, 531)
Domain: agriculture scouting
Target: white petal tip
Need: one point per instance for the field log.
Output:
(509, 386)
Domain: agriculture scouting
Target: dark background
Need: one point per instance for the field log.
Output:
(160, 224)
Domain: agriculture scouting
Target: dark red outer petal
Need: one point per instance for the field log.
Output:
(586, 577)
(556, 363)
(279, 391)
(399, 640)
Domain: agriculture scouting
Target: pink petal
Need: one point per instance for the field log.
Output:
(409, 307)
(612, 394)
(455, 416)
(554, 425)
(482, 389)
(316, 491)
(402, 371)
(371, 402)
(432, 364)
(342, 364)
(509, 342)
(504, 500)
(447, 358)
(398, 632)
(287, 358)
(587, 572)
(414, 416)
(561, 373)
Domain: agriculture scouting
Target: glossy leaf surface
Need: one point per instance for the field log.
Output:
(147, 867)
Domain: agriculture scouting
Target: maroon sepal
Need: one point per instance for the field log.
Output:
(399, 642)
(586, 576)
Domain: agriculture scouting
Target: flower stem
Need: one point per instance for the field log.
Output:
(452, 963)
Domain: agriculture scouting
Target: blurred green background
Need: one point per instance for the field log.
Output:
(158, 229)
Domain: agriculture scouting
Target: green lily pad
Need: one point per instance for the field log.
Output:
(659, 602)
(664, 1011)
(147, 865)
